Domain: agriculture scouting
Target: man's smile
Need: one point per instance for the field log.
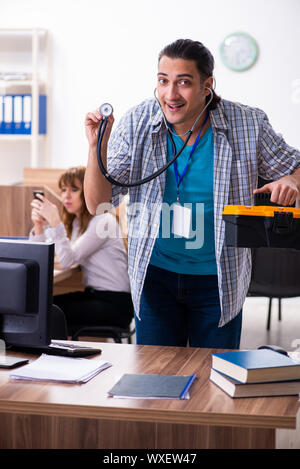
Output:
(174, 107)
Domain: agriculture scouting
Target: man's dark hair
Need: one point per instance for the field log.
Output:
(193, 50)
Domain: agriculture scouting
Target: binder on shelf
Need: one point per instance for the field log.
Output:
(18, 114)
(8, 127)
(1, 114)
(27, 111)
(27, 114)
(42, 114)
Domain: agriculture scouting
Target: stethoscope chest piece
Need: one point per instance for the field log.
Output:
(106, 109)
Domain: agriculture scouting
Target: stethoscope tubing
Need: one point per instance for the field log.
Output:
(103, 123)
(115, 182)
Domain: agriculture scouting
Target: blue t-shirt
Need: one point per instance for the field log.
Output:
(194, 255)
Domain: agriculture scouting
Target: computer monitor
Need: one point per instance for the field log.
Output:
(26, 285)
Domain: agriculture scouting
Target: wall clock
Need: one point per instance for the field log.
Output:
(239, 51)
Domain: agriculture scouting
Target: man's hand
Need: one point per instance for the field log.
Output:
(284, 191)
(92, 121)
(96, 188)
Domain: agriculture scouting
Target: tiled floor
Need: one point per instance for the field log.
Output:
(285, 333)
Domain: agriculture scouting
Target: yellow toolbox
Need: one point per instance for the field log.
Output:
(262, 226)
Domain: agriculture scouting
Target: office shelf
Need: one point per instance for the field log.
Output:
(19, 137)
(27, 50)
(4, 84)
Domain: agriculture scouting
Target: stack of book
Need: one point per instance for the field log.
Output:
(254, 373)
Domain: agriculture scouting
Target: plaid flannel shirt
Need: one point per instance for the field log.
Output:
(245, 146)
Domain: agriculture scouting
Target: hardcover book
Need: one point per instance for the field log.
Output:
(236, 389)
(249, 366)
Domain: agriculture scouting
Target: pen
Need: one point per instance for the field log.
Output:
(187, 386)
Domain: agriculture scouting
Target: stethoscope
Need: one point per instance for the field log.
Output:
(106, 110)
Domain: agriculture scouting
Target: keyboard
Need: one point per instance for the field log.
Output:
(64, 349)
(71, 350)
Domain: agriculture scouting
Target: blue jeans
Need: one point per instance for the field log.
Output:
(182, 309)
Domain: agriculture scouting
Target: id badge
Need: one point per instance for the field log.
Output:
(182, 221)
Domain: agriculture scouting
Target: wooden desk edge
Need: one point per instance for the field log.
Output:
(63, 274)
(148, 415)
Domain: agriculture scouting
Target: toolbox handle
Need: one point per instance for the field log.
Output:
(264, 198)
(283, 223)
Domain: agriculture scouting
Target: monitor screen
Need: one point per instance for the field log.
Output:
(26, 285)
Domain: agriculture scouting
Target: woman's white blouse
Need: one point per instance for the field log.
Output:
(99, 251)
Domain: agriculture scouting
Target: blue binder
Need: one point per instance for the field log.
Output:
(27, 114)
(8, 127)
(1, 114)
(42, 114)
(18, 113)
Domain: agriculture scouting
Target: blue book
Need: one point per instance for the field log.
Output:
(234, 388)
(248, 366)
(153, 386)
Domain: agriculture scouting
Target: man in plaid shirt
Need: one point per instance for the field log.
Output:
(187, 286)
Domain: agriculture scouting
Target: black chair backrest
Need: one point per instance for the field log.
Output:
(275, 272)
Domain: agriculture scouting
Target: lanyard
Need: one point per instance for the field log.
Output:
(180, 178)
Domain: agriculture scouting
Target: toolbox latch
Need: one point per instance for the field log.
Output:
(283, 222)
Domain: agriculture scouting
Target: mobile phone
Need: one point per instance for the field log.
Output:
(37, 191)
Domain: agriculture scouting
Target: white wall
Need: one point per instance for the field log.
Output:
(107, 51)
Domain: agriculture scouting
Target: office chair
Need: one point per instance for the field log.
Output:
(58, 325)
(114, 332)
(275, 274)
(111, 332)
(275, 271)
